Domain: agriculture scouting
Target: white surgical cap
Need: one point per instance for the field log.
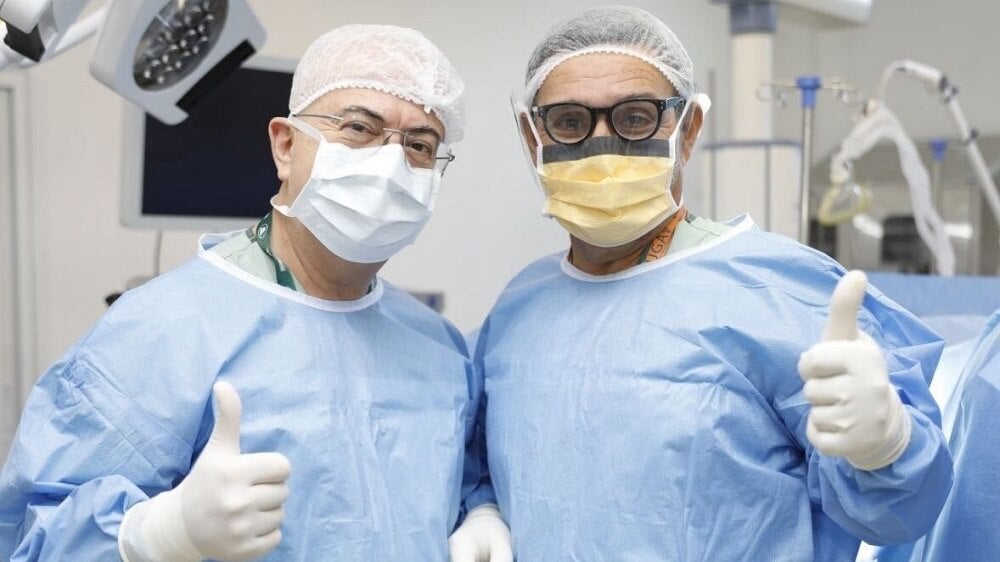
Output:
(391, 59)
(612, 29)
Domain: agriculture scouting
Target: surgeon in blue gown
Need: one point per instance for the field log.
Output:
(674, 388)
(967, 529)
(341, 405)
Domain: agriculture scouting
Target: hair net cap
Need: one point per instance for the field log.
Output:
(396, 60)
(612, 29)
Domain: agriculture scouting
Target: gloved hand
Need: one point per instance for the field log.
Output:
(229, 507)
(856, 413)
(482, 537)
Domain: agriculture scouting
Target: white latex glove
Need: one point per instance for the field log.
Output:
(856, 413)
(482, 537)
(229, 507)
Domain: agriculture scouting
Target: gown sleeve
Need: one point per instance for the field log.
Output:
(900, 502)
(477, 488)
(84, 452)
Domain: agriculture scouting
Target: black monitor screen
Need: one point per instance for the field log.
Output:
(217, 163)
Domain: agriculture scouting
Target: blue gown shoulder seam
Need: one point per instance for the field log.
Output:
(83, 363)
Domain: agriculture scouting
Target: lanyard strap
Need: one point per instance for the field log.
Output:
(658, 246)
(261, 235)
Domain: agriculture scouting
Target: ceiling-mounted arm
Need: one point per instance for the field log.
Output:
(71, 37)
(35, 29)
(949, 97)
(163, 55)
(926, 74)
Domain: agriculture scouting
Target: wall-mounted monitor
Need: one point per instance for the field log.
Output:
(213, 171)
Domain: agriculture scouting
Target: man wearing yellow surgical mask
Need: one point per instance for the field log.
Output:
(605, 153)
(657, 392)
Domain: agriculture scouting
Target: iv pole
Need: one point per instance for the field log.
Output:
(808, 86)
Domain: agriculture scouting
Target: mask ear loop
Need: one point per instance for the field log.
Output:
(675, 153)
(521, 110)
(675, 134)
(703, 102)
(309, 130)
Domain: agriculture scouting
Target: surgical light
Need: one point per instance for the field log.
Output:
(163, 55)
(178, 38)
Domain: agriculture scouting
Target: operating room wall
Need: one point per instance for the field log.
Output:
(958, 36)
(487, 223)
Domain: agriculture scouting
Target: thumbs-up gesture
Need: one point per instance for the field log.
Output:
(229, 507)
(856, 412)
(231, 502)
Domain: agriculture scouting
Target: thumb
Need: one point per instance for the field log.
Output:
(228, 410)
(843, 321)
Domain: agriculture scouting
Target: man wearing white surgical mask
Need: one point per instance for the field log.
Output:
(273, 398)
(657, 391)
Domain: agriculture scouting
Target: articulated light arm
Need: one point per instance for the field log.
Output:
(37, 30)
(163, 55)
(73, 36)
(967, 135)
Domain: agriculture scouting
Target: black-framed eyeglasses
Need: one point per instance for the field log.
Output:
(633, 120)
(423, 148)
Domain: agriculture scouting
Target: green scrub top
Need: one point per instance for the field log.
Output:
(247, 255)
(694, 231)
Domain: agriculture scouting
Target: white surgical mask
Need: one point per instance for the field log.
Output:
(363, 204)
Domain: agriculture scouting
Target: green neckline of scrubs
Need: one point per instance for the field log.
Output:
(252, 253)
(261, 235)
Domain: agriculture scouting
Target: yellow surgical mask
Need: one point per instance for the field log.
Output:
(609, 200)
(608, 191)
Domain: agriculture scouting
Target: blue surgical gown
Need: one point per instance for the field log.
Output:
(967, 529)
(368, 399)
(657, 414)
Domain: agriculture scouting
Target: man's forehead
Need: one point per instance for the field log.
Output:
(604, 78)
